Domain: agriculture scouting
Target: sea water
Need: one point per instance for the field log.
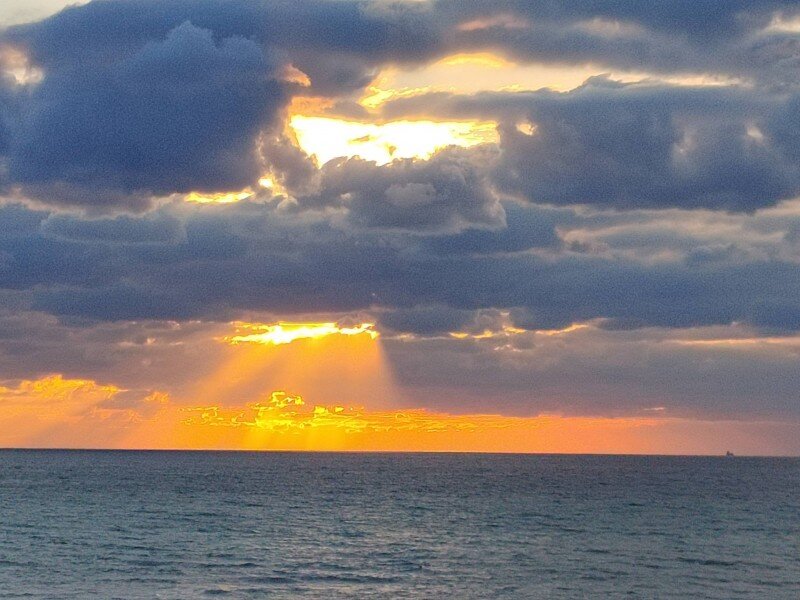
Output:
(270, 525)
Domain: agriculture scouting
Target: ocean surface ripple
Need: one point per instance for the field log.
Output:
(254, 525)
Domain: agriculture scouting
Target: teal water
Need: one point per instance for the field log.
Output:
(248, 525)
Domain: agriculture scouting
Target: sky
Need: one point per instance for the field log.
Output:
(415, 225)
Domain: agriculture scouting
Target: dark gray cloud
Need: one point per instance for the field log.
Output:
(692, 18)
(623, 147)
(676, 36)
(600, 372)
(6, 99)
(308, 30)
(426, 320)
(525, 228)
(155, 228)
(449, 192)
(162, 355)
(221, 260)
(180, 114)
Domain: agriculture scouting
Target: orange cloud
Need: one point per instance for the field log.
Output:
(58, 412)
(284, 412)
(53, 395)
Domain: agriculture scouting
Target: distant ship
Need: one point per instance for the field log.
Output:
(729, 454)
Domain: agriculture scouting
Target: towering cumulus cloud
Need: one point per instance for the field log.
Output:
(536, 207)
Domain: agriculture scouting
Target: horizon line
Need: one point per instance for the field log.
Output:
(402, 452)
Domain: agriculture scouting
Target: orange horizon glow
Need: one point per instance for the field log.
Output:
(55, 412)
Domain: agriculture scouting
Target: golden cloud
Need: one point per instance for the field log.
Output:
(283, 412)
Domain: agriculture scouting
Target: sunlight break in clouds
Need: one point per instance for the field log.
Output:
(328, 138)
(286, 333)
(15, 64)
(221, 198)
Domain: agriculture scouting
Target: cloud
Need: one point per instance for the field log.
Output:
(635, 145)
(177, 115)
(525, 228)
(626, 146)
(120, 230)
(426, 320)
(221, 260)
(136, 355)
(705, 18)
(309, 30)
(713, 372)
(142, 99)
(649, 211)
(728, 372)
(446, 193)
(56, 412)
(674, 37)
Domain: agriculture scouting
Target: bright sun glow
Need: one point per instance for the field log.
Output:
(286, 333)
(266, 183)
(328, 138)
(223, 198)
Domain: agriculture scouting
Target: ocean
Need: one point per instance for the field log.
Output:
(272, 525)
